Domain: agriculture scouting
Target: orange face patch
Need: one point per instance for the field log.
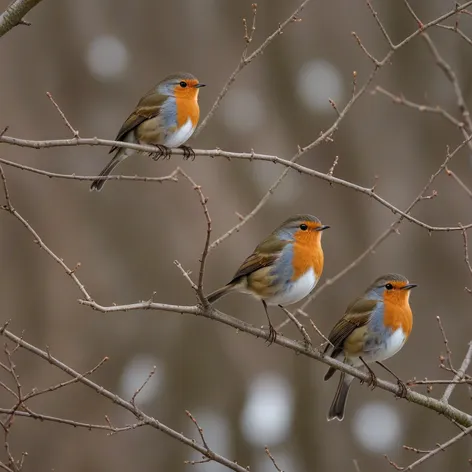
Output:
(397, 312)
(307, 251)
(186, 101)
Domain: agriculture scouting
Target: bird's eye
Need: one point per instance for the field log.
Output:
(389, 286)
(303, 227)
(183, 84)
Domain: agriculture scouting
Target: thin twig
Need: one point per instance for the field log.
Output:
(266, 449)
(42, 245)
(200, 430)
(459, 375)
(138, 390)
(446, 344)
(186, 274)
(74, 132)
(245, 60)
(172, 177)
(203, 202)
(76, 424)
(464, 187)
(299, 326)
(140, 415)
(440, 448)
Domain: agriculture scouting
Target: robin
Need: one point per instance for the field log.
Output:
(165, 117)
(374, 328)
(284, 268)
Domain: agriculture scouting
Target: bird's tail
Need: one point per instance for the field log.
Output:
(221, 292)
(336, 411)
(121, 155)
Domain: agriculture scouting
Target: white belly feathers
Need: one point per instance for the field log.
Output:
(295, 291)
(180, 136)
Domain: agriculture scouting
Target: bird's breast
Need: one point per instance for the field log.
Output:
(307, 255)
(187, 109)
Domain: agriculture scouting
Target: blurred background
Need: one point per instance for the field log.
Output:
(97, 59)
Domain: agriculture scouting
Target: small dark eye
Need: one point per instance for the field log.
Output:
(303, 227)
(183, 84)
(389, 286)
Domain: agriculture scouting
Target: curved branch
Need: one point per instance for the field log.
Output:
(140, 415)
(251, 156)
(443, 408)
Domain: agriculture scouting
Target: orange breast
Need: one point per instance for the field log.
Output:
(187, 108)
(307, 254)
(397, 313)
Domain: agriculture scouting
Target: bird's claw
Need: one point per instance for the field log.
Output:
(272, 335)
(403, 389)
(372, 382)
(188, 152)
(164, 152)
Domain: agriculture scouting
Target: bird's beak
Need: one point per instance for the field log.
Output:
(322, 228)
(200, 85)
(409, 286)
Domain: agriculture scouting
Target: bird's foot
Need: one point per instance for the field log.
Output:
(188, 152)
(403, 389)
(372, 382)
(272, 335)
(164, 152)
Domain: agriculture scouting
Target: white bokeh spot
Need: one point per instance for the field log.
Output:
(377, 427)
(318, 81)
(107, 57)
(268, 412)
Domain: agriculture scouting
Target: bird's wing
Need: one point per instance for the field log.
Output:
(263, 256)
(357, 315)
(147, 108)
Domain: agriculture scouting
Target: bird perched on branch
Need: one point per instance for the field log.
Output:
(374, 328)
(165, 117)
(284, 268)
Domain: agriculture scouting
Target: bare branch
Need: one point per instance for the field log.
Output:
(14, 14)
(447, 410)
(440, 448)
(459, 375)
(203, 202)
(266, 449)
(291, 164)
(141, 416)
(245, 60)
(76, 424)
(138, 391)
(299, 326)
(42, 245)
(74, 132)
